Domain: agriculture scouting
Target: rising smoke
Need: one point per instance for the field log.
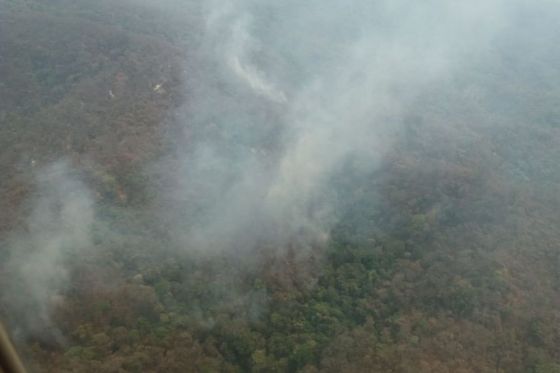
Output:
(282, 95)
(59, 230)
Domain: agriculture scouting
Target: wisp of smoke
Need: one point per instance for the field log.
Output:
(59, 228)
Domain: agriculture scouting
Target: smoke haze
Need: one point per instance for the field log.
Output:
(281, 102)
(282, 96)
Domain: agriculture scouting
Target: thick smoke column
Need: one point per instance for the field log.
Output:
(59, 229)
(282, 95)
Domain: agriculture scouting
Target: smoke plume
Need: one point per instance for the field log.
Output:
(58, 230)
(283, 95)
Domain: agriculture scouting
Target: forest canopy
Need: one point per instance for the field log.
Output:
(280, 187)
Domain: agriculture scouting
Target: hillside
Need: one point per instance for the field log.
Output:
(444, 257)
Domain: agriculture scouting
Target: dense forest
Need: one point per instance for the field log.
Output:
(444, 257)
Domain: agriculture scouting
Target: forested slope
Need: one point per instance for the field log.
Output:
(445, 258)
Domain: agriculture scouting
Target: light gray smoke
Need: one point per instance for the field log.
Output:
(281, 95)
(59, 229)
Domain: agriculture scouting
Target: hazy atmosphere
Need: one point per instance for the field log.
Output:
(257, 186)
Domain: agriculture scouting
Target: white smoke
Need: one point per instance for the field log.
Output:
(59, 229)
(282, 94)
